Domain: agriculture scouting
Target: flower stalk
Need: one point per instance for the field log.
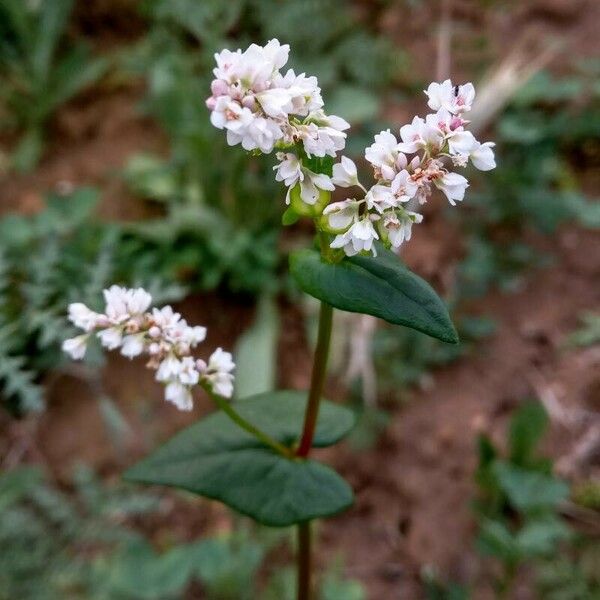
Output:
(266, 439)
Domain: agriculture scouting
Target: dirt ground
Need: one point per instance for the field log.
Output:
(414, 487)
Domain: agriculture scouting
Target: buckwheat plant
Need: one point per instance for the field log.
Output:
(253, 454)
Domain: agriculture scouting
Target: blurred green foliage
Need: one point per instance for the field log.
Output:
(83, 543)
(38, 73)
(57, 543)
(589, 332)
(546, 140)
(518, 513)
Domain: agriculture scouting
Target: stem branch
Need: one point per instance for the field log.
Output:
(266, 439)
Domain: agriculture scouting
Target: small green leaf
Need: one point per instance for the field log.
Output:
(495, 539)
(217, 459)
(530, 490)
(380, 286)
(540, 537)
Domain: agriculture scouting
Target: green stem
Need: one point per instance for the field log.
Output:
(266, 439)
(304, 561)
(317, 380)
(308, 432)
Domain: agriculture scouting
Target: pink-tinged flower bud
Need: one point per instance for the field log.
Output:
(154, 332)
(103, 321)
(211, 103)
(260, 86)
(201, 365)
(219, 87)
(401, 161)
(456, 123)
(236, 92)
(249, 102)
(154, 348)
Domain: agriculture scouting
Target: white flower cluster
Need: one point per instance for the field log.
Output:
(389, 209)
(162, 334)
(260, 107)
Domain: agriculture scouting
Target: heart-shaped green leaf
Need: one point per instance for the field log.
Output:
(217, 459)
(380, 286)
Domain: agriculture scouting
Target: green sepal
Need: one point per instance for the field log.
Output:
(308, 210)
(289, 217)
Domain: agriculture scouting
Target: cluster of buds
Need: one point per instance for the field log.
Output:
(161, 334)
(404, 183)
(260, 108)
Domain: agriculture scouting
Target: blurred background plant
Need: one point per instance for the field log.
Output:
(82, 543)
(519, 512)
(38, 73)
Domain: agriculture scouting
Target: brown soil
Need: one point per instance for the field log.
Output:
(414, 487)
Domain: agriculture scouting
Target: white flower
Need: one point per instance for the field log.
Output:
(230, 114)
(116, 299)
(188, 373)
(304, 92)
(221, 361)
(165, 317)
(385, 155)
(419, 135)
(81, 316)
(482, 156)
(340, 215)
(257, 133)
(399, 226)
(455, 99)
(111, 338)
(133, 345)
(453, 185)
(138, 301)
(359, 238)
(254, 67)
(451, 128)
(461, 142)
(291, 172)
(276, 102)
(404, 187)
(345, 173)
(168, 369)
(76, 347)
(218, 373)
(380, 197)
(276, 53)
(222, 384)
(194, 335)
(180, 395)
(322, 135)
